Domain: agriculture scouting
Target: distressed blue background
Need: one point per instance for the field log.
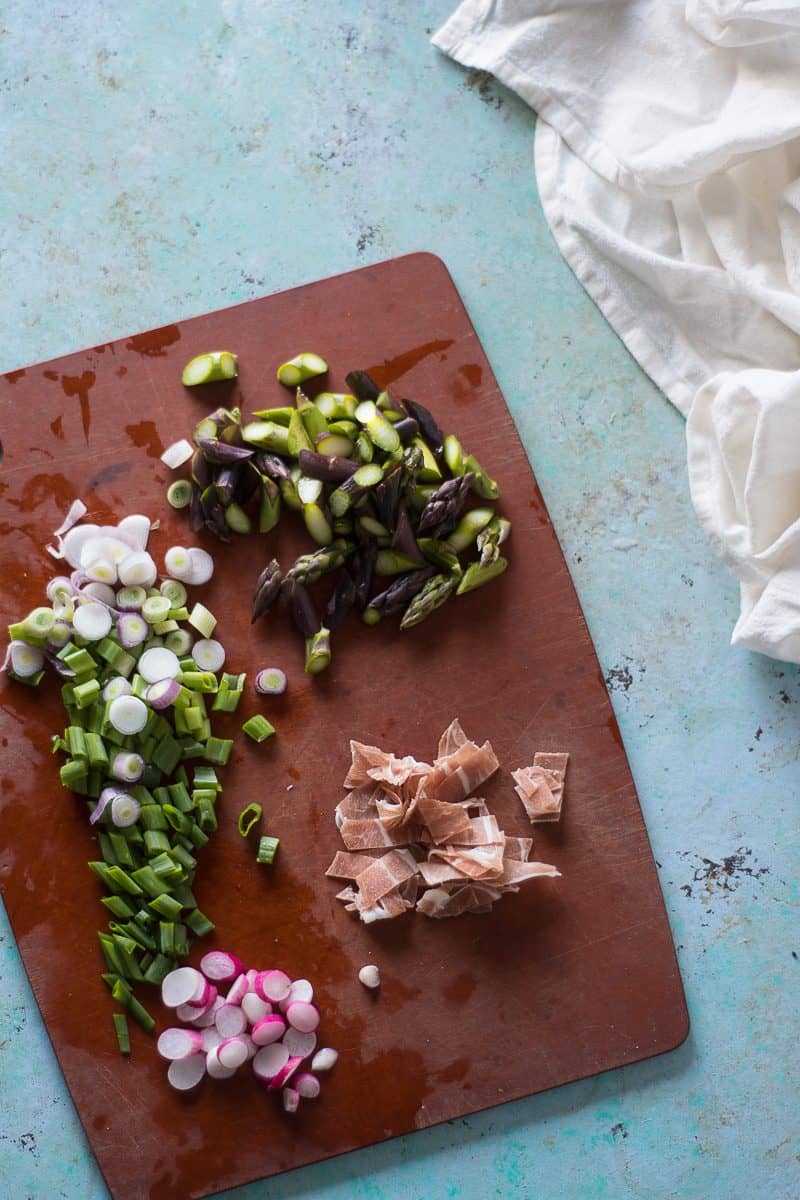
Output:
(160, 160)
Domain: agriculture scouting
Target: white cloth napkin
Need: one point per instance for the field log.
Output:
(668, 162)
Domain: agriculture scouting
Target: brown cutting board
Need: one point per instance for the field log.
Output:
(570, 977)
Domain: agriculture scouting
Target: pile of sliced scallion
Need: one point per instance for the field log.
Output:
(382, 492)
(141, 677)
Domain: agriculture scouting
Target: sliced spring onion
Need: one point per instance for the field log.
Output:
(175, 592)
(177, 454)
(127, 714)
(267, 849)
(92, 621)
(132, 630)
(158, 663)
(212, 367)
(100, 591)
(163, 693)
(201, 566)
(300, 368)
(271, 682)
(218, 750)
(118, 685)
(209, 654)
(102, 570)
(177, 562)
(179, 642)
(127, 767)
(121, 1030)
(249, 817)
(137, 570)
(156, 608)
(25, 660)
(203, 621)
(39, 622)
(179, 493)
(258, 728)
(136, 529)
(130, 599)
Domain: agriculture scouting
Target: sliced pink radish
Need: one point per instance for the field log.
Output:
(186, 1073)
(300, 1044)
(303, 1017)
(238, 990)
(211, 1038)
(291, 1100)
(252, 976)
(270, 1060)
(255, 1008)
(284, 1075)
(232, 1052)
(175, 1044)
(205, 999)
(183, 985)
(307, 1085)
(272, 985)
(221, 967)
(199, 1017)
(301, 989)
(230, 1020)
(252, 1048)
(215, 1068)
(269, 1029)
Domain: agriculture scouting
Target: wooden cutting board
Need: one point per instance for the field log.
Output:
(568, 978)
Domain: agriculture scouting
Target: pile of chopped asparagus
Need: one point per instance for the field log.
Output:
(381, 490)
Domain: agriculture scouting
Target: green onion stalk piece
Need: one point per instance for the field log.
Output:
(179, 493)
(248, 818)
(300, 368)
(259, 729)
(267, 849)
(212, 367)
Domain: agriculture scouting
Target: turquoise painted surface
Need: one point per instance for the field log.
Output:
(163, 160)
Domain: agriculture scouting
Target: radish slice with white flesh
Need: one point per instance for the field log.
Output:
(301, 989)
(270, 1060)
(238, 990)
(254, 1008)
(272, 985)
(25, 660)
(186, 1073)
(177, 562)
(158, 663)
(201, 567)
(230, 1020)
(299, 1044)
(163, 693)
(284, 1075)
(137, 570)
(302, 1017)
(132, 630)
(102, 592)
(181, 986)
(92, 621)
(202, 1002)
(137, 528)
(174, 1044)
(211, 1038)
(102, 570)
(232, 1052)
(208, 654)
(307, 1085)
(128, 714)
(177, 454)
(75, 540)
(268, 1029)
(221, 967)
(215, 1068)
(291, 1100)
(324, 1059)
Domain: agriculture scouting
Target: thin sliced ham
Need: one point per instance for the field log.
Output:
(416, 838)
(540, 786)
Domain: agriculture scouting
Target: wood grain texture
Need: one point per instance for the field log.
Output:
(568, 978)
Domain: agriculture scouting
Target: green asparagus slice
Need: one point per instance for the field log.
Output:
(433, 595)
(491, 538)
(476, 574)
(300, 368)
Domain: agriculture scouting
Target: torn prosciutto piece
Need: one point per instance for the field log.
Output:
(452, 739)
(478, 862)
(385, 875)
(371, 834)
(349, 866)
(540, 786)
(456, 775)
(518, 872)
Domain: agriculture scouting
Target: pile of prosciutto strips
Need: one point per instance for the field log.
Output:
(415, 837)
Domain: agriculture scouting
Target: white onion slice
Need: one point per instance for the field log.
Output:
(92, 621)
(137, 570)
(177, 454)
(128, 715)
(209, 654)
(158, 663)
(201, 567)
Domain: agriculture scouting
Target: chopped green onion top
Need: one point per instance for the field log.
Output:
(248, 818)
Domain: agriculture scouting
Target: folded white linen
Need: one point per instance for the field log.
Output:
(668, 162)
